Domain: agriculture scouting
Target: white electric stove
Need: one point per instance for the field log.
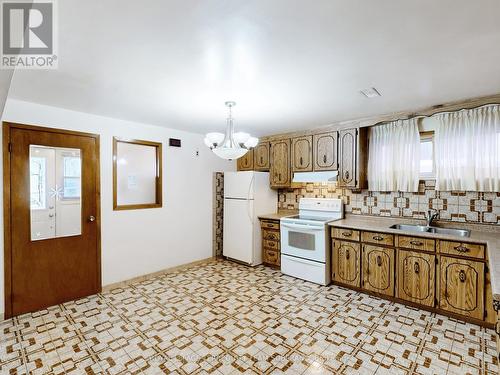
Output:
(305, 245)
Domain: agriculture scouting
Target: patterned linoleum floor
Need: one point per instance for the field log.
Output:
(224, 318)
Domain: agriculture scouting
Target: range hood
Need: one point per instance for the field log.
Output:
(330, 176)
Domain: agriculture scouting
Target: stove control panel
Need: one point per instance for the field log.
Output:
(321, 204)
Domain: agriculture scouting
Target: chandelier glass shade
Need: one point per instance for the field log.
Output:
(230, 145)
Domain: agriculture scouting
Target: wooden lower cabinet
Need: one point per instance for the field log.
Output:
(378, 269)
(427, 272)
(271, 242)
(346, 263)
(416, 277)
(462, 287)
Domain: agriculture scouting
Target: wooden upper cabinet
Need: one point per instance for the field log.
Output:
(261, 157)
(280, 163)
(245, 163)
(325, 152)
(378, 269)
(302, 154)
(416, 277)
(353, 147)
(462, 287)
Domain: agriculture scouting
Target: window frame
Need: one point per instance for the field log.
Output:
(428, 136)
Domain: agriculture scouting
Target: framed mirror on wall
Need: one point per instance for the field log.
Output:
(137, 174)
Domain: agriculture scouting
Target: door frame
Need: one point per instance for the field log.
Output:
(7, 230)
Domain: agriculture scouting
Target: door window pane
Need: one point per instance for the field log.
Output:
(37, 183)
(55, 192)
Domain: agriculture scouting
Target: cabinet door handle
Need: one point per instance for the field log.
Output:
(301, 160)
(261, 160)
(324, 158)
(347, 234)
(416, 243)
(346, 174)
(347, 254)
(462, 276)
(461, 249)
(379, 260)
(416, 267)
(378, 238)
(279, 177)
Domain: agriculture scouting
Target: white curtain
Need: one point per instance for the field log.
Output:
(394, 156)
(467, 150)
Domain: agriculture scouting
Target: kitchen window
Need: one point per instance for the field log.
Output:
(427, 164)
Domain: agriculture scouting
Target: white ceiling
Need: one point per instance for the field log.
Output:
(289, 64)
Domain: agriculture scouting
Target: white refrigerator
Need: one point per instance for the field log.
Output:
(246, 196)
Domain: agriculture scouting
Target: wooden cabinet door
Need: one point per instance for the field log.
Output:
(378, 269)
(280, 163)
(462, 287)
(346, 263)
(302, 154)
(348, 157)
(325, 152)
(261, 157)
(245, 163)
(416, 277)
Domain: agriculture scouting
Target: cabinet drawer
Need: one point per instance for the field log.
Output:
(416, 243)
(270, 224)
(345, 234)
(272, 235)
(461, 248)
(378, 238)
(271, 244)
(271, 257)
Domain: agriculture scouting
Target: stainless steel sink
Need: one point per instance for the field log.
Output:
(423, 228)
(410, 227)
(449, 231)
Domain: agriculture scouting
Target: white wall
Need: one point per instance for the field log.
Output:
(137, 242)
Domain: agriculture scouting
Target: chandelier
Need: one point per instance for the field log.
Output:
(230, 145)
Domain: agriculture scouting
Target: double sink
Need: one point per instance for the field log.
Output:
(426, 229)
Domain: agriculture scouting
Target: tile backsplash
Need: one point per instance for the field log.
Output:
(459, 206)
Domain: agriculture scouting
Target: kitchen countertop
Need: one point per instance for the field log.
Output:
(486, 234)
(278, 215)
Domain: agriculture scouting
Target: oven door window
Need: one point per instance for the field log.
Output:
(301, 240)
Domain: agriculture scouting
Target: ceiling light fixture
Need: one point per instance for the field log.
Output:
(372, 92)
(230, 145)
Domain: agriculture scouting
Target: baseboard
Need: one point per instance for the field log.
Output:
(120, 284)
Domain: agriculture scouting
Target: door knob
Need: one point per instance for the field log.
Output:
(91, 218)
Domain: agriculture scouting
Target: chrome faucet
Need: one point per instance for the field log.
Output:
(430, 216)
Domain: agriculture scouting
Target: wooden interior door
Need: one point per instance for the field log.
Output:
(416, 277)
(53, 268)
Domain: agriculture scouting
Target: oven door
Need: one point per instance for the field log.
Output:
(303, 241)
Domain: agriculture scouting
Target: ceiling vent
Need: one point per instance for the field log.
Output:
(370, 93)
